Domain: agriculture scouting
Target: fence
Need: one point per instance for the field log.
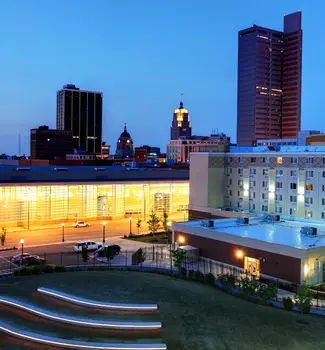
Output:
(154, 257)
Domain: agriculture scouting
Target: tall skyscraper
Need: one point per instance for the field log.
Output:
(181, 125)
(269, 82)
(81, 112)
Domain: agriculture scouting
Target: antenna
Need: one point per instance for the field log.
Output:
(182, 95)
(19, 145)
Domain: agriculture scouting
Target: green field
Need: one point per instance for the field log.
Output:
(194, 316)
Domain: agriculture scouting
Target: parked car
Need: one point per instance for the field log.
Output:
(80, 224)
(88, 245)
(33, 260)
(17, 258)
(108, 251)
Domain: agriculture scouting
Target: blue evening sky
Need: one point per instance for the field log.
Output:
(141, 54)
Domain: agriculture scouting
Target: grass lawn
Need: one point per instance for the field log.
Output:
(194, 316)
(158, 238)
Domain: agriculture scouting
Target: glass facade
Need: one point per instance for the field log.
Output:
(24, 205)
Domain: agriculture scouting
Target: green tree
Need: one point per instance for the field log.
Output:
(153, 223)
(138, 224)
(178, 258)
(3, 236)
(165, 221)
(303, 299)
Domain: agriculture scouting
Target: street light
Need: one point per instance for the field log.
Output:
(22, 241)
(62, 231)
(130, 225)
(104, 226)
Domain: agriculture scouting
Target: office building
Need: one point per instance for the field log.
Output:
(181, 125)
(80, 111)
(179, 150)
(269, 82)
(50, 144)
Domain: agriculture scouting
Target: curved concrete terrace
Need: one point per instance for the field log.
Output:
(70, 344)
(98, 305)
(131, 326)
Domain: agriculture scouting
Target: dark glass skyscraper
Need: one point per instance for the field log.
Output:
(181, 125)
(81, 112)
(269, 82)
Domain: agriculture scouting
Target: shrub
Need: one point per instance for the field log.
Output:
(182, 272)
(198, 276)
(210, 279)
(303, 299)
(36, 270)
(228, 281)
(47, 269)
(287, 303)
(265, 291)
(191, 274)
(59, 268)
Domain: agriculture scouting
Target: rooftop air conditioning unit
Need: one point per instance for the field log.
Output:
(242, 220)
(309, 231)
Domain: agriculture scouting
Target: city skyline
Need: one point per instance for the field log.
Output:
(140, 77)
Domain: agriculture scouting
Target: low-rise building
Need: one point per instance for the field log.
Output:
(179, 150)
(49, 144)
(259, 246)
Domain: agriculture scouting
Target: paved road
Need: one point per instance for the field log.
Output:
(50, 234)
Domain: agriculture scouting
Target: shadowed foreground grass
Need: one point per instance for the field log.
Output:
(194, 316)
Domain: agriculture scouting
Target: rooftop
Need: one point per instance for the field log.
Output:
(285, 232)
(37, 174)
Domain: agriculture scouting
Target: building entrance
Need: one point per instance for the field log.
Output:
(252, 266)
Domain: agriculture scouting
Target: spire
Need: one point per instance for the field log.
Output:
(181, 103)
(125, 127)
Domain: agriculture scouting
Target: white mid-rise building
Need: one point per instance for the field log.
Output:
(289, 182)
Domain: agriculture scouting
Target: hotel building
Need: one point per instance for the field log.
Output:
(280, 199)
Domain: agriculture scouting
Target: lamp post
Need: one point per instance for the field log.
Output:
(22, 241)
(169, 225)
(184, 215)
(62, 225)
(130, 225)
(104, 227)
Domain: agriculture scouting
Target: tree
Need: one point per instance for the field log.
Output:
(3, 236)
(178, 257)
(138, 224)
(165, 221)
(153, 223)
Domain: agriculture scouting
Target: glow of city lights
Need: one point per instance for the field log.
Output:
(89, 303)
(80, 322)
(78, 345)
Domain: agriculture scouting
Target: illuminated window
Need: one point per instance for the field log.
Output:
(252, 266)
(279, 160)
(309, 187)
